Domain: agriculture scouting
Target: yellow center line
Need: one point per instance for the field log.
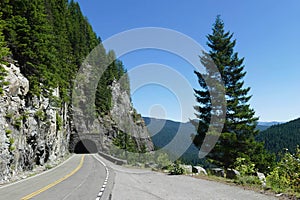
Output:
(55, 182)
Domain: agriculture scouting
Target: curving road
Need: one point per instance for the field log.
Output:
(80, 177)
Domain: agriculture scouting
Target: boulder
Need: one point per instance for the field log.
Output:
(18, 84)
(262, 178)
(199, 170)
(187, 168)
(151, 165)
(232, 173)
(217, 172)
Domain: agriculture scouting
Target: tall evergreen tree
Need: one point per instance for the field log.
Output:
(114, 71)
(81, 34)
(4, 51)
(57, 13)
(30, 38)
(237, 138)
(50, 39)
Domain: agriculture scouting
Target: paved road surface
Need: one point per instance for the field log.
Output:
(135, 184)
(124, 183)
(83, 184)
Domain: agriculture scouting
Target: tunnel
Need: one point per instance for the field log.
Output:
(85, 146)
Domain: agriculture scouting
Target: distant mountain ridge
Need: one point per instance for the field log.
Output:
(269, 123)
(261, 126)
(281, 136)
(162, 132)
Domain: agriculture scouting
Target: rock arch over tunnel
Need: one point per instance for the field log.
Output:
(85, 146)
(85, 143)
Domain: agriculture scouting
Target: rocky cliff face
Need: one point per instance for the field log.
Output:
(32, 131)
(103, 129)
(38, 130)
(127, 118)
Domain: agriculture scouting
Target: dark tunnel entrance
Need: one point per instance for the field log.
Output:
(86, 146)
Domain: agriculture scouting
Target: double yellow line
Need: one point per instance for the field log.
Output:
(56, 182)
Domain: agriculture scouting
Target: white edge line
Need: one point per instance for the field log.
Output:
(106, 179)
(36, 175)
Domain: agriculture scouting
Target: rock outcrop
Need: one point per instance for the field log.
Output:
(199, 170)
(39, 130)
(127, 119)
(232, 173)
(103, 129)
(33, 130)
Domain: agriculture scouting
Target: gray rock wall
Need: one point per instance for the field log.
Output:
(32, 131)
(127, 118)
(35, 131)
(122, 117)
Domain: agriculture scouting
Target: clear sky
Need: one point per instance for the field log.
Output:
(267, 34)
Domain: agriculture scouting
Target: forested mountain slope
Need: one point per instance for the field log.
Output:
(43, 44)
(281, 136)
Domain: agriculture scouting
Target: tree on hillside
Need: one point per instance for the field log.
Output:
(238, 135)
(58, 15)
(4, 51)
(81, 35)
(49, 39)
(114, 71)
(30, 39)
(280, 137)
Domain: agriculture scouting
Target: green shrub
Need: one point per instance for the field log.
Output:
(18, 122)
(8, 132)
(244, 166)
(163, 160)
(176, 169)
(48, 166)
(26, 115)
(11, 144)
(3, 74)
(12, 148)
(59, 122)
(40, 115)
(9, 116)
(247, 180)
(277, 181)
(136, 116)
(55, 101)
(286, 176)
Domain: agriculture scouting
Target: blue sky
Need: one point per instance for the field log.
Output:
(267, 34)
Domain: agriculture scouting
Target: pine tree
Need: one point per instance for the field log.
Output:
(237, 138)
(30, 38)
(4, 51)
(57, 13)
(115, 71)
(81, 34)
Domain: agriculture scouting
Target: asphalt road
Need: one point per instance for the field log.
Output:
(80, 177)
(136, 184)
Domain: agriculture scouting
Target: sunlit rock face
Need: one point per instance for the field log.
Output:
(103, 129)
(33, 130)
(38, 130)
(126, 117)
